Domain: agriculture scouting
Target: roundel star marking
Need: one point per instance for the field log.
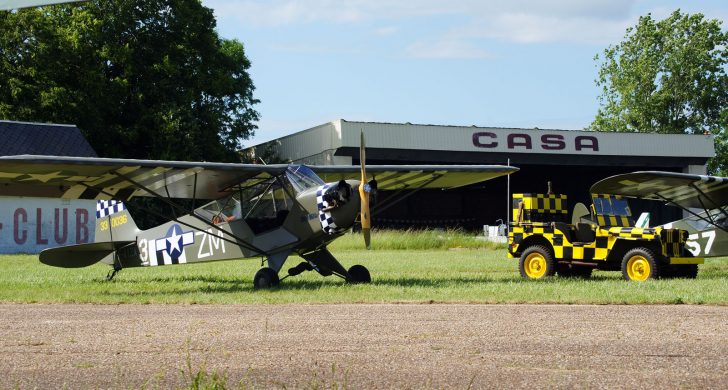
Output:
(174, 241)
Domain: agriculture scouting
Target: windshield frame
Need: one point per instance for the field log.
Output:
(302, 178)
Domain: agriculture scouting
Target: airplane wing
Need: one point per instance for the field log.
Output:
(6, 5)
(122, 179)
(395, 177)
(681, 189)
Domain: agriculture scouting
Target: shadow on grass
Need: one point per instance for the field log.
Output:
(176, 285)
(169, 285)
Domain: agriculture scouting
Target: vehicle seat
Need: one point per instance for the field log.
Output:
(584, 233)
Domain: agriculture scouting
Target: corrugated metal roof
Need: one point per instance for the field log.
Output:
(43, 139)
(407, 136)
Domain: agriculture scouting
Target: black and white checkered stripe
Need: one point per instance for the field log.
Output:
(104, 208)
(327, 221)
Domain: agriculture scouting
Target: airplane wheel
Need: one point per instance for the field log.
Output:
(265, 278)
(359, 274)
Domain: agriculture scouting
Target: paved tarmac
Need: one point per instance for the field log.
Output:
(364, 346)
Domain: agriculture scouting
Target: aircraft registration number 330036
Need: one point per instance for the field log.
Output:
(694, 245)
(115, 221)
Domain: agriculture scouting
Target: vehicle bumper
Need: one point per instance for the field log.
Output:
(686, 260)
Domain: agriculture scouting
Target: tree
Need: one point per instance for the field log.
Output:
(140, 78)
(667, 76)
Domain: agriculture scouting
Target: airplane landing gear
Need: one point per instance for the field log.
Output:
(359, 274)
(113, 272)
(265, 278)
(300, 268)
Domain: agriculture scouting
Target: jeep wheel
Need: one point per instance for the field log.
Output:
(536, 262)
(640, 264)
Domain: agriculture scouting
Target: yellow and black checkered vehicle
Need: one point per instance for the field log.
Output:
(546, 242)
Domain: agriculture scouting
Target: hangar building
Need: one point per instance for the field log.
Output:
(572, 160)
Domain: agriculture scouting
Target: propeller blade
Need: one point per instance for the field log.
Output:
(366, 222)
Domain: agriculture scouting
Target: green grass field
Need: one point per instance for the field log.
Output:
(453, 269)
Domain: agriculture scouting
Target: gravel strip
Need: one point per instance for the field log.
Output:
(364, 346)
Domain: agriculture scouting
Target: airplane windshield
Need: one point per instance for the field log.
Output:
(302, 178)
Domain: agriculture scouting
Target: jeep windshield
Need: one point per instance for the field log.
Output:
(612, 206)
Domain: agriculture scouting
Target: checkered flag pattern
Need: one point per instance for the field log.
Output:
(104, 208)
(327, 221)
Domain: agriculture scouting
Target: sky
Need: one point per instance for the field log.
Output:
(511, 63)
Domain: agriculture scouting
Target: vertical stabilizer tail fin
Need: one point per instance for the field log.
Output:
(114, 222)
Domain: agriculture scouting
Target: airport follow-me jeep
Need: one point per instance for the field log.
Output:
(604, 238)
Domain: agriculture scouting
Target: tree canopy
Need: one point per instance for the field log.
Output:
(667, 76)
(140, 78)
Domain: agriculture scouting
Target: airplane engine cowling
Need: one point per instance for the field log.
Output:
(337, 206)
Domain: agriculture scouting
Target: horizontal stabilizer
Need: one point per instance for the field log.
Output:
(81, 255)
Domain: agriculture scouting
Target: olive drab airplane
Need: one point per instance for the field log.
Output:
(704, 198)
(265, 211)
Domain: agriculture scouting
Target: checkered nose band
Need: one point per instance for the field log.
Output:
(104, 208)
(327, 221)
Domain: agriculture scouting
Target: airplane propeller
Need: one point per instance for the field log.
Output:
(364, 191)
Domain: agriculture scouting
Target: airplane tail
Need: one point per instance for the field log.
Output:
(115, 231)
(113, 222)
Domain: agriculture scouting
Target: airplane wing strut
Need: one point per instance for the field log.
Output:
(686, 191)
(175, 206)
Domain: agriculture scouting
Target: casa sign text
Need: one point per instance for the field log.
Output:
(521, 141)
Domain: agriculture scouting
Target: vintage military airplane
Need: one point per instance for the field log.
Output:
(705, 198)
(266, 211)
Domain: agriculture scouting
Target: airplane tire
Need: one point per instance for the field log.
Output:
(359, 274)
(265, 278)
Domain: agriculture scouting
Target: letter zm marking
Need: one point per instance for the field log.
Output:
(210, 243)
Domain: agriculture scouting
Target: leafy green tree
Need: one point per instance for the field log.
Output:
(667, 76)
(140, 78)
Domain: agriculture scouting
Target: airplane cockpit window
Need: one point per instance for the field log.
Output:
(702, 221)
(263, 206)
(302, 178)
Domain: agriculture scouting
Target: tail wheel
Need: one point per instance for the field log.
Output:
(640, 264)
(536, 262)
(359, 274)
(265, 278)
